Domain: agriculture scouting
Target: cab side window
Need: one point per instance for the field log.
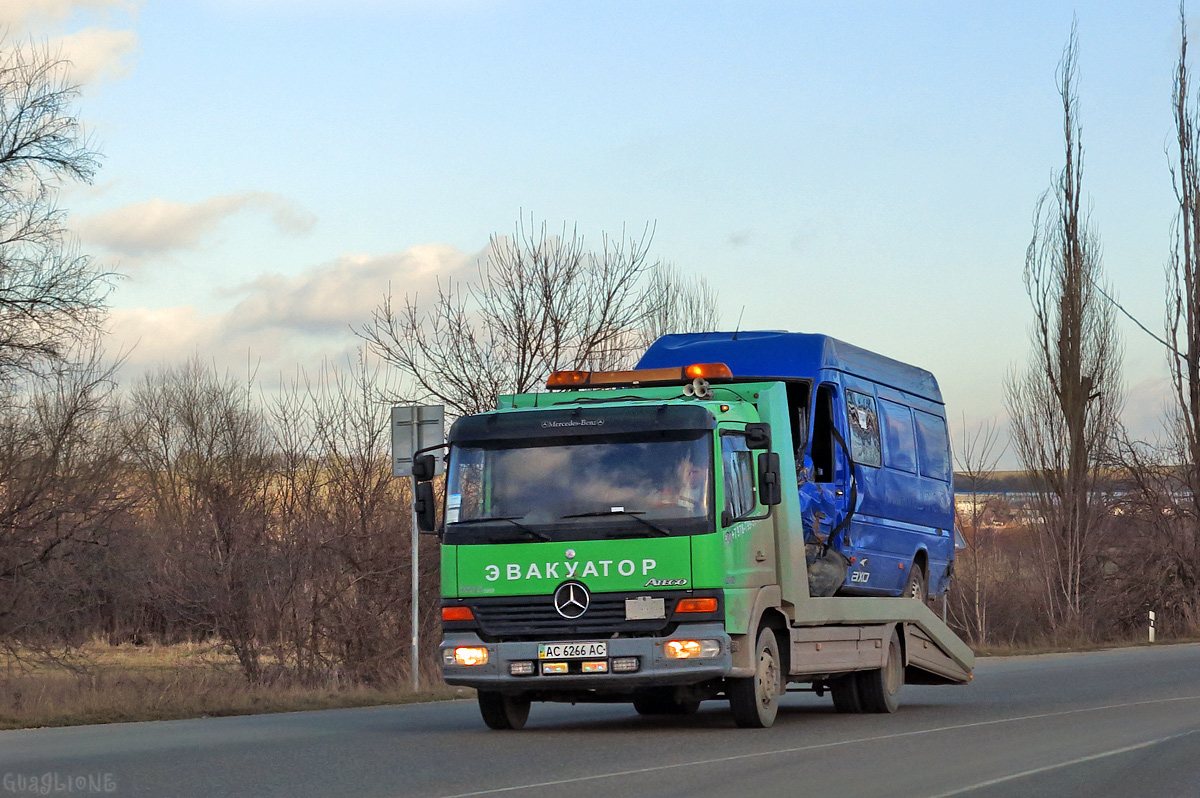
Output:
(822, 437)
(738, 467)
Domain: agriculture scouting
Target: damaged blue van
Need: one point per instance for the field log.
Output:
(874, 470)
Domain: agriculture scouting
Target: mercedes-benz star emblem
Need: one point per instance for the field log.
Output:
(571, 600)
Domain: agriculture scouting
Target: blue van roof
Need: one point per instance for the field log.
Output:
(781, 354)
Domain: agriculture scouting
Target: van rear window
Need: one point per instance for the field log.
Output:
(935, 446)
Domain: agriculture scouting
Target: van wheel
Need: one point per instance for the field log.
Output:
(916, 584)
(502, 711)
(755, 699)
(879, 689)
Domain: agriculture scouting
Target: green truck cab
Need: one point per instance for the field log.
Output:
(628, 536)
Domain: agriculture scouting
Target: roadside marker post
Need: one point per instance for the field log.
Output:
(414, 428)
(1151, 626)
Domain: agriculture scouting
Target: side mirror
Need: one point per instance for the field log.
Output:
(425, 507)
(423, 467)
(770, 492)
(758, 435)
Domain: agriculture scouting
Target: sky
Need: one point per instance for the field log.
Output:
(272, 168)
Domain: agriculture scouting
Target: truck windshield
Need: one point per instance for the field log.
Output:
(581, 484)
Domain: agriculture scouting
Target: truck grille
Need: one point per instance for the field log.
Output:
(534, 617)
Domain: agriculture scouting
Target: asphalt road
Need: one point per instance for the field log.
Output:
(1113, 723)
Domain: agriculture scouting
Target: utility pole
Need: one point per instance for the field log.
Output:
(414, 428)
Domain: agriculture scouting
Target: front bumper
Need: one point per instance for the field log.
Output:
(655, 669)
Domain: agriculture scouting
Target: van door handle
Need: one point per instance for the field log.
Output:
(839, 492)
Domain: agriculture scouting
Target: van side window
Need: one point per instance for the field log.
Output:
(738, 463)
(934, 446)
(864, 429)
(822, 438)
(897, 423)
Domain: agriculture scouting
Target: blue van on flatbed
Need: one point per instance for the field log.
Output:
(872, 448)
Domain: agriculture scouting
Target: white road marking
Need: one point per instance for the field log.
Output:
(1079, 761)
(820, 746)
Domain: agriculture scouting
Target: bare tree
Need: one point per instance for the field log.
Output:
(976, 457)
(365, 622)
(202, 458)
(1064, 405)
(677, 304)
(541, 303)
(51, 298)
(61, 500)
(1160, 566)
(1183, 275)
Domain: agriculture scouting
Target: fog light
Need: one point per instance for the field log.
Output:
(465, 655)
(692, 649)
(596, 667)
(523, 668)
(554, 667)
(625, 664)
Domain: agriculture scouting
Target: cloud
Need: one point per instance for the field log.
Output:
(157, 335)
(280, 321)
(158, 227)
(19, 16)
(343, 292)
(97, 54)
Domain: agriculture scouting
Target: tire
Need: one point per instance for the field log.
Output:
(879, 689)
(662, 701)
(917, 587)
(845, 694)
(502, 711)
(754, 700)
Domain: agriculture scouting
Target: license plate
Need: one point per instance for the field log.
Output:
(572, 650)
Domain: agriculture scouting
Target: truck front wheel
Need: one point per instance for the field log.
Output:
(502, 711)
(755, 699)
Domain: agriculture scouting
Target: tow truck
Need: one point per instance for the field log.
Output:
(638, 536)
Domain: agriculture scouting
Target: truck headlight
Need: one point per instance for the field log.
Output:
(692, 649)
(465, 655)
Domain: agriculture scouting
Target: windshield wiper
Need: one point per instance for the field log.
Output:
(512, 519)
(634, 514)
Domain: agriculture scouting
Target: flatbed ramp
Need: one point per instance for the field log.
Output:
(840, 634)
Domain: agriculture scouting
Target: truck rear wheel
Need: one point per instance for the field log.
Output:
(879, 690)
(845, 694)
(755, 699)
(502, 711)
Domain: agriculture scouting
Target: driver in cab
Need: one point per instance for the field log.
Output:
(690, 489)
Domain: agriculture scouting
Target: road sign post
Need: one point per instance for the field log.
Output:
(414, 428)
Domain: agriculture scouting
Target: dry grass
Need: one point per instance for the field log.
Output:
(107, 684)
(1048, 647)
(103, 684)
